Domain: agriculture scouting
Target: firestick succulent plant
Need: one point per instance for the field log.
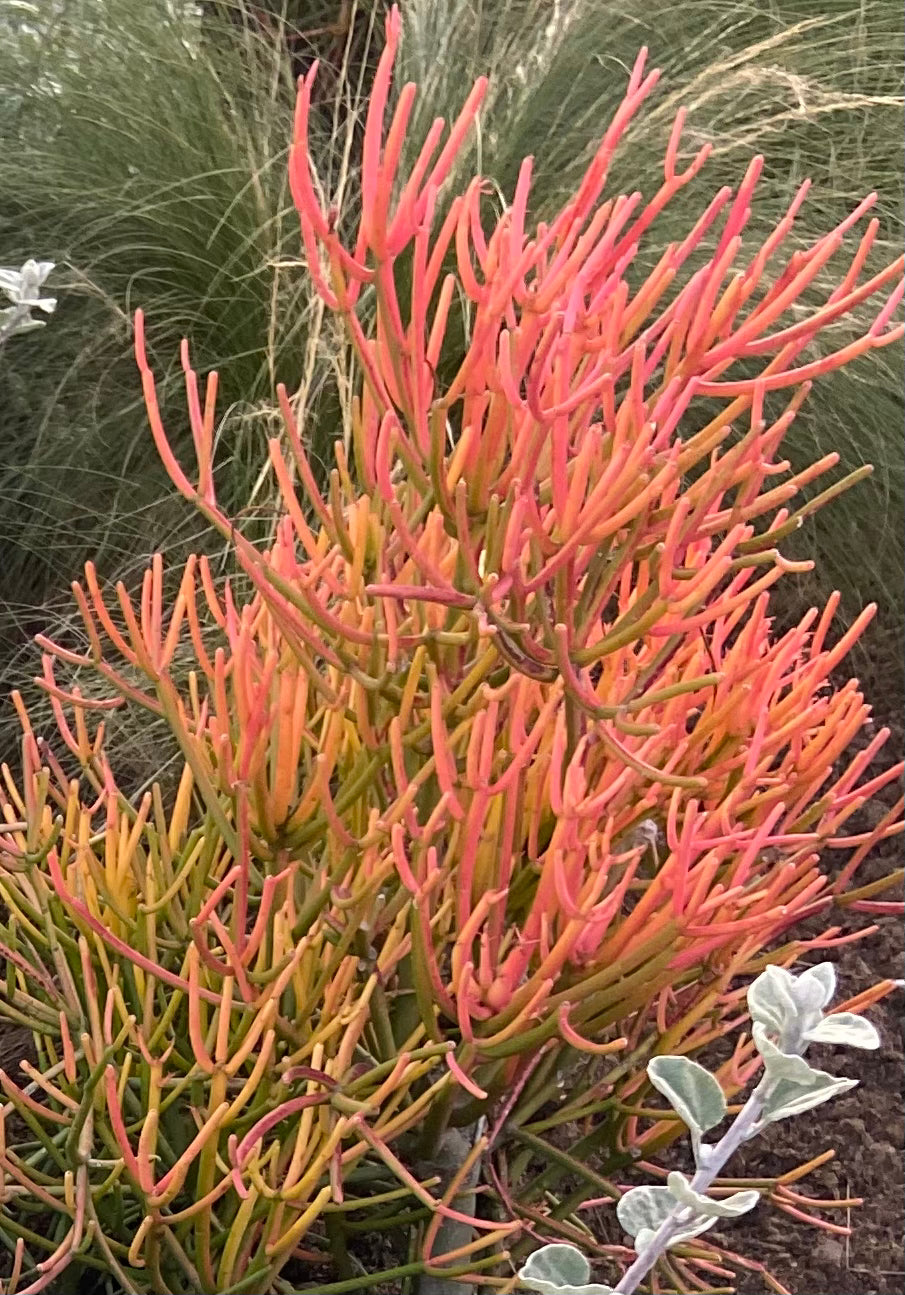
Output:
(496, 781)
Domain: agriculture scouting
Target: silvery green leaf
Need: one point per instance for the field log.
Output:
(809, 997)
(770, 1000)
(730, 1207)
(32, 275)
(16, 321)
(10, 280)
(644, 1209)
(790, 1006)
(786, 1098)
(691, 1091)
(845, 1027)
(643, 1239)
(560, 1269)
(794, 1085)
(825, 973)
(779, 1064)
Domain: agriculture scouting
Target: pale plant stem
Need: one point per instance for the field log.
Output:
(451, 1154)
(739, 1131)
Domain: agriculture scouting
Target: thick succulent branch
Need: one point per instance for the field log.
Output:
(453, 1234)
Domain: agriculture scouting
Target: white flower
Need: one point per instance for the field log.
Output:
(23, 287)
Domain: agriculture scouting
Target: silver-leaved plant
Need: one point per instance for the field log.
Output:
(23, 288)
(788, 1014)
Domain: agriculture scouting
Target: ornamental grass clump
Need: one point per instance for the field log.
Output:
(495, 783)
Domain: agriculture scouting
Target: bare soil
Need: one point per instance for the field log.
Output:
(866, 1128)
